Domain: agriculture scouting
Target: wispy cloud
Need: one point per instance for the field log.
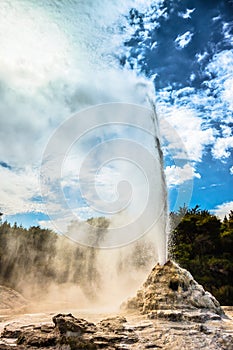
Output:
(222, 147)
(194, 113)
(227, 29)
(201, 56)
(183, 40)
(220, 71)
(187, 13)
(18, 188)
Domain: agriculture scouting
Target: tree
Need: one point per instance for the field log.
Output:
(203, 244)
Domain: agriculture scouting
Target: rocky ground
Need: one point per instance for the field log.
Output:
(171, 311)
(118, 332)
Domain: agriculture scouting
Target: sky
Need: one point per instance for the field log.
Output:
(60, 59)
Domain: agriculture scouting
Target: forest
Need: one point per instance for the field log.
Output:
(203, 244)
(199, 241)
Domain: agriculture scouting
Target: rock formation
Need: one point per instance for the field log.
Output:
(69, 332)
(171, 292)
(11, 301)
(116, 333)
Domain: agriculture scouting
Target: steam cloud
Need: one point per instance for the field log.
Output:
(80, 71)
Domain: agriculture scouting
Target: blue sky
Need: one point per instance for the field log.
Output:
(58, 58)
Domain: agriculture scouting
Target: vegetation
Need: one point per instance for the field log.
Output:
(203, 244)
(35, 257)
(200, 242)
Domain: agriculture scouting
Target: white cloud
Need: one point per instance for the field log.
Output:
(227, 27)
(221, 63)
(223, 209)
(192, 76)
(184, 39)
(29, 57)
(221, 66)
(18, 188)
(214, 19)
(154, 45)
(226, 130)
(200, 56)
(187, 13)
(193, 112)
(50, 68)
(231, 170)
(186, 137)
(186, 91)
(227, 93)
(222, 147)
(176, 175)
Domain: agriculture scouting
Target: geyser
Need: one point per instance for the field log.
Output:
(105, 160)
(135, 202)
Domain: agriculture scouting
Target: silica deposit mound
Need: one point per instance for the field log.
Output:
(171, 292)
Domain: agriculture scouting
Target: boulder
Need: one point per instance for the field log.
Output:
(113, 323)
(69, 325)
